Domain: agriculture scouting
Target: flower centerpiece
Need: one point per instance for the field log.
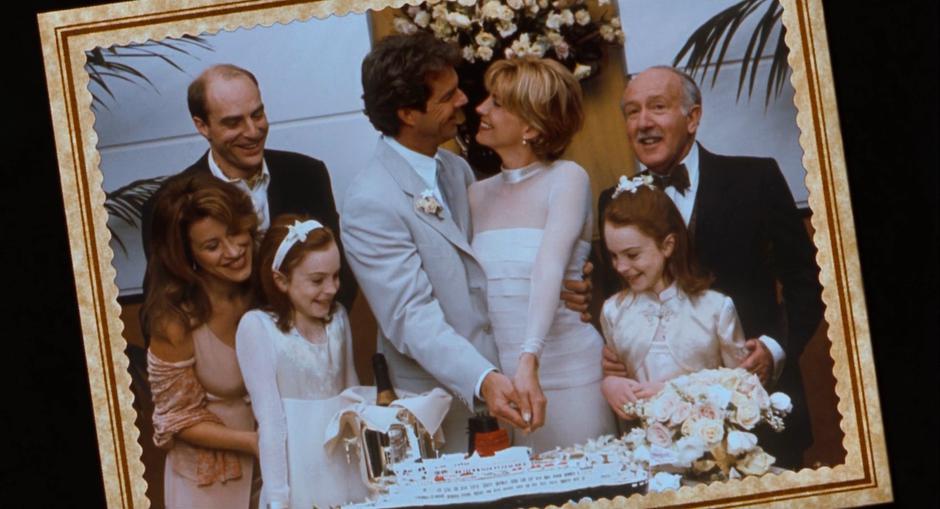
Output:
(701, 423)
(488, 30)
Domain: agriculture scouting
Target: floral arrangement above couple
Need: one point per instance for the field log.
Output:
(490, 30)
(564, 30)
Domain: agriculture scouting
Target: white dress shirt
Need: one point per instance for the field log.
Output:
(685, 203)
(424, 166)
(258, 194)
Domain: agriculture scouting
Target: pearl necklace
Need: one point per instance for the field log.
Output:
(519, 174)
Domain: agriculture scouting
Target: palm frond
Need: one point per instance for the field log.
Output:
(707, 47)
(127, 202)
(745, 9)
(779, 68)
(117, 237)
(103, 64)
(754, 52)
(717, 31)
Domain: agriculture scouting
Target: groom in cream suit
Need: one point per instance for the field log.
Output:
(406, 226)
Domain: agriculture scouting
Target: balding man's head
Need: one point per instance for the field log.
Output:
(227, 110)
(196, 94)
(662, 107)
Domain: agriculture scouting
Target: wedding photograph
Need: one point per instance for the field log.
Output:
(502, 253)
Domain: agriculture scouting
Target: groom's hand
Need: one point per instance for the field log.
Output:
(577, 294)
(502, 400)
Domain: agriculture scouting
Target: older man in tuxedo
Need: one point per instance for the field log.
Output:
(745, 230)
(406, 226)
(227, 110)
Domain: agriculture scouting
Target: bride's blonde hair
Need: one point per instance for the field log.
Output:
(544, 94)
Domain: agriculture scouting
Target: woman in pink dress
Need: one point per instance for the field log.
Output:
(199, 287)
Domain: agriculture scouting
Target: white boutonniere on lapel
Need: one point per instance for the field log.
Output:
(428, 204)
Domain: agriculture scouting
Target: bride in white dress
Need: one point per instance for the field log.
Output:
(532, 229)
(296, 358)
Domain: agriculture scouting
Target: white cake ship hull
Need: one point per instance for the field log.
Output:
(454, 480)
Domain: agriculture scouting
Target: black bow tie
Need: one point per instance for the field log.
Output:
(677, 178)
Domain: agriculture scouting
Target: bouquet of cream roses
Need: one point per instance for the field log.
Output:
(486, 30)
(701, 423)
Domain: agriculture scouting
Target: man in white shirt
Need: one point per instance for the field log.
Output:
(745, 229)
(227, 110)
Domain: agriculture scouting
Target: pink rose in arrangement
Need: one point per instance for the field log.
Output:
(689, 426)
(710, 431)
(706, 411)
(658, 434)
(662, 408)
(682, 411)
(748, 385)
(747, 415)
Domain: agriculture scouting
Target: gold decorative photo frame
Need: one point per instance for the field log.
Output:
(861, 479)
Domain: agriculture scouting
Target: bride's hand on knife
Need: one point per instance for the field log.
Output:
(532, 399)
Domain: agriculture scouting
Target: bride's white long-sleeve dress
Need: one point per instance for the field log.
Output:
(531, 230)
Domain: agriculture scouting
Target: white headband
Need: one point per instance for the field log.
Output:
(631, 185)
(296, 232)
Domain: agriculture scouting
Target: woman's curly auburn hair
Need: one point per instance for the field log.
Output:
(176, 289)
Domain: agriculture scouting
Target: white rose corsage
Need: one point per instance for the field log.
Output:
(428, 204)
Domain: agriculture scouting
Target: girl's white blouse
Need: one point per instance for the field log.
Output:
(661, 336)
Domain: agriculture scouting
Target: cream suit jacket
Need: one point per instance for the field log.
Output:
(425, 286)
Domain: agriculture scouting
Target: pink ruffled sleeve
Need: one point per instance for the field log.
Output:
(179, 401)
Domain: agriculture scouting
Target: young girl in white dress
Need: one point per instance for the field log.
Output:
(296, 357)
(532, 228)
(666, 322)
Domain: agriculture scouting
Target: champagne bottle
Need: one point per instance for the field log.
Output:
(377, 443)
(384, 392)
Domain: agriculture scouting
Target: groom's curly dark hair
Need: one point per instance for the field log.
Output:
(394, 75)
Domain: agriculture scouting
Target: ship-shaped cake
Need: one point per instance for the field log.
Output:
(397, 441)
(510, 478)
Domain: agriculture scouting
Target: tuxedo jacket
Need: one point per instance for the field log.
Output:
(425, 286)
(747, 232)
(299, 185)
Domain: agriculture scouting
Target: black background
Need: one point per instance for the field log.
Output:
(884, 58)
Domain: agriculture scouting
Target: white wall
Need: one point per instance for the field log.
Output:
(309, 75)
(655, 32)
